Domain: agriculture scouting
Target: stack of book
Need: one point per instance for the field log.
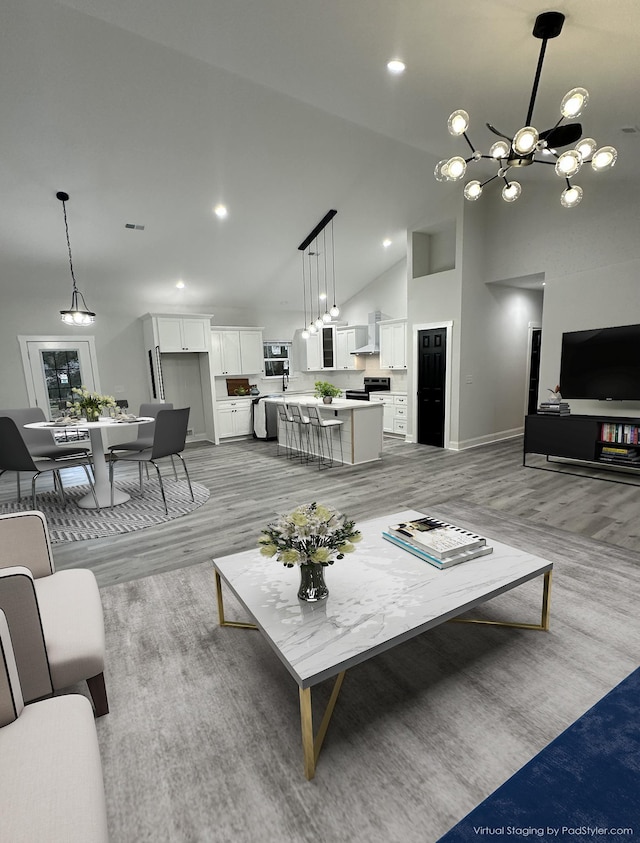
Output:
(620, 455)
(436, 542)
(554, 408)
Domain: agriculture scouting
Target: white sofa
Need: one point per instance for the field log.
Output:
(51, 786)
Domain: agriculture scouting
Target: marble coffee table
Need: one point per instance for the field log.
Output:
(379, 597)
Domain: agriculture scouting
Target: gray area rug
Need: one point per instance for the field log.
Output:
(203, 739)
(71, 523)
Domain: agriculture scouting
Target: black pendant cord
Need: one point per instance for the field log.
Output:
(66, 228)
(333, 264)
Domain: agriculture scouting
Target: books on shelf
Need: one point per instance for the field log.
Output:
(620, 454)
(455, 559)
(435, 537)
(620, 432)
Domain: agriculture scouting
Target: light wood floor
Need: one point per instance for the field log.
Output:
(249, 483)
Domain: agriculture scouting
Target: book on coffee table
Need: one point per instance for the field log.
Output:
(437, 538)
(462, 556)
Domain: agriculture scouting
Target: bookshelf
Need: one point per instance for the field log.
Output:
(609, 443)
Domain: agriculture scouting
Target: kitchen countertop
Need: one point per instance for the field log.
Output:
(308, 398)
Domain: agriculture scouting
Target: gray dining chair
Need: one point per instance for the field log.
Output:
(15, 456)
(146, 431)
(169, 439)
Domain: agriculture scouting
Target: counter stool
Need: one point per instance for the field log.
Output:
(303, 425)
(288, 425)
(323, 429)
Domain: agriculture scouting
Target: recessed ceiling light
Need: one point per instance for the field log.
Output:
(180, 284)
(322, 296)
(220, 211)
(396, 66)
(386, 243)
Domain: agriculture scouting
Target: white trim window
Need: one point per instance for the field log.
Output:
(277, 357)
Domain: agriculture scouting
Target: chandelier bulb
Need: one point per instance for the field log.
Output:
(574, 102)
(472, 190)
(571, 196)
(335, 311)
(500, 149)
(326, 316)
(312, 328)
(568, 163)
(525, 140)
(586, 147)
(458, 123)
(511, 191)
(305, 334)
(604, 158)
(456, 168)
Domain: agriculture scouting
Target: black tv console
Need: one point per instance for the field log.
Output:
(605, 442)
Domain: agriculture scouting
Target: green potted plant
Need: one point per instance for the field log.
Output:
(326, 391)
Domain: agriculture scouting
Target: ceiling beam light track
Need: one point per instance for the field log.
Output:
(75, 315)
(318, 291)
(521, 149)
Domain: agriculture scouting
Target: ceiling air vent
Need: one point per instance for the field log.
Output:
(134, 226)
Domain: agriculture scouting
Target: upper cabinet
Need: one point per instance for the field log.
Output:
(180, 333)
(393, 344)
(347, 340)
(237, 351)
(316, 353)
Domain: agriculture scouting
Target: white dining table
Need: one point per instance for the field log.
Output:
(100, 472)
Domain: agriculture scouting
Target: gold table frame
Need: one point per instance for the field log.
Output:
(311, 745)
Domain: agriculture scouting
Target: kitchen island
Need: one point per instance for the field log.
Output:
(361, 429)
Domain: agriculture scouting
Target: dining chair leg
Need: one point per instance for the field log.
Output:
(175, 473)
(140, 474)
(164, 500)
(56, 475)
(184, 465)
(111, 463)
(33, 490)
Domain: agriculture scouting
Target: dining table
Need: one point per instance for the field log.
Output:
(100, 471)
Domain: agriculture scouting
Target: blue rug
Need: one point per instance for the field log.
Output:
(583, 786)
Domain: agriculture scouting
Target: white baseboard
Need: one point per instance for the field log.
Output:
(499, 436)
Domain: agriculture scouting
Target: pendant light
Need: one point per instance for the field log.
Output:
(75, 315)
(309, 247)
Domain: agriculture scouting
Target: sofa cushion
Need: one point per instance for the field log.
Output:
(73, 625)
(51, 787)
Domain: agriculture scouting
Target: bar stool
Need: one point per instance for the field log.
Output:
(303, 425)
(287, 424)
(324, 436)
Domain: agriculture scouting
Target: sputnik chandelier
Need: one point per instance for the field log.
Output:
(521, 149)
(316, 277)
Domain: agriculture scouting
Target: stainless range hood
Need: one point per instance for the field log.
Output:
(373, 335)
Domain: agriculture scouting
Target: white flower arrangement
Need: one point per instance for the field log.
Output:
(89, 404)
(311, 534)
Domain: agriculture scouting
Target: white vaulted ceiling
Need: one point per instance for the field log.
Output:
(151, 112)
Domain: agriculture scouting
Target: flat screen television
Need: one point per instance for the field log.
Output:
(603, 364)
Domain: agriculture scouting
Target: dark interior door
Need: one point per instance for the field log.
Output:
(432, 346)
(534, 371)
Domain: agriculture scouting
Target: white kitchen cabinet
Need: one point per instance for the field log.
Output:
(316, 353)
(237, 351)
(394, 419)
(181, 333)
(177, 350)
(347, 340)
(393, 344)
(234, 418)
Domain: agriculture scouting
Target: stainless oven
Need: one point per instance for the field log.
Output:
(370, 385)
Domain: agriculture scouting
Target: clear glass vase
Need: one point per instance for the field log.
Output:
(312, 584)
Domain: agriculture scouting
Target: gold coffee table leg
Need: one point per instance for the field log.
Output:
(311, 746)
(221, 618)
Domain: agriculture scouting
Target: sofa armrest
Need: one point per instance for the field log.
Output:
(20, 605)
(11, 702)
